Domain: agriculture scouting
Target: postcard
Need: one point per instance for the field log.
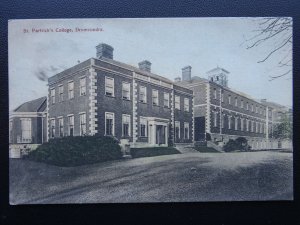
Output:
(144, 110)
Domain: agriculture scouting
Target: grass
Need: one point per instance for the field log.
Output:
(155, 151)
(205, 149)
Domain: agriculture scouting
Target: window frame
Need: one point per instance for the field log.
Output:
(143, 121)
(69, 124)
(60, 126)
(52, 95)
(177, 124)
(107, 86)
(113, 123)
(28, 131)
(70, 91)
(167, 99)
(143, 92)
(60, 93)
(186, 104)
(175, 102)
(83, 114)
(188, 133)
(52, 128)
(82, 87)
(129, 125)
(128, 91)
(153, 97)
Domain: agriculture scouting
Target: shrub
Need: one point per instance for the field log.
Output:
(155, 151)
(240, 143)
(75, 151)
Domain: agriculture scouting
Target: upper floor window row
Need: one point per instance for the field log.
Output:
(70, 90)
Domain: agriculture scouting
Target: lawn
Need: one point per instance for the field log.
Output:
(149, 152)
(205, 149)
(169, 178)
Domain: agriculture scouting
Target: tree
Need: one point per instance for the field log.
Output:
(276, 31)
(283, 130)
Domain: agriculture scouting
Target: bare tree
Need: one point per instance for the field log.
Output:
(277, 32)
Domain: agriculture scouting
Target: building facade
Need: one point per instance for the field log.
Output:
(27, 126)
(105, 97)
(222, 113)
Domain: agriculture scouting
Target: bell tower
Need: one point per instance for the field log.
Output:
(219, 76)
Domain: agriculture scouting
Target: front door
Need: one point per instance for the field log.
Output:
(160, 135)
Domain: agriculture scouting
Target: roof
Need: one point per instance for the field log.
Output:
(217, 69)
(37, 105)
(194, 80)
(135, 69)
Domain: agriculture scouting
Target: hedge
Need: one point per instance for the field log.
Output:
(75, 151)
(240, 144)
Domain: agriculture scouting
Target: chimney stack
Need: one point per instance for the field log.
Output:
(145, 65)
(104, 51)
(186, 73)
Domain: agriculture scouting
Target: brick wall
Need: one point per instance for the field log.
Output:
(68, 106)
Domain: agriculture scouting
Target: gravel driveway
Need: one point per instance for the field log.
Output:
(171, 178)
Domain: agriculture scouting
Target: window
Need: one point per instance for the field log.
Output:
(252, 108)
(71, 125)
(235, 123)
(177, 130)
(247, 106)
(252, 126)
(26, 130)
(125, 125)
(109, 123)
(52, 93)
(166, 100)
(61, 93)
(242, 103)
(247, 124)
(186, 130)
(61, 126)
(229, 99)
(143, 127)
(229, 122)
(215, 93)
(177, 102)
(242, 124)
(109, 86)
(154, 97)
(143, 94)
(52, 128)
(186, 105)
(222, 96)
(82, 86)
(71, 90)
(82, 118)
(223, 119)
(126, 90)
(215, 114)
(256, 109)
(236, 102)
(257, 127)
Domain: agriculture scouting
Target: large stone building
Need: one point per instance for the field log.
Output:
(106, 97)
(222, 113)
(141, 109)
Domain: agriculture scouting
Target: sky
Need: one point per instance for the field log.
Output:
(168, 43)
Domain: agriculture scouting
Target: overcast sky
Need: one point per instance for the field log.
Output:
(170, 44)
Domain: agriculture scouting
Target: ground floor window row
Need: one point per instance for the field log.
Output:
(61, 122)
(182, 129)
(237, 123)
